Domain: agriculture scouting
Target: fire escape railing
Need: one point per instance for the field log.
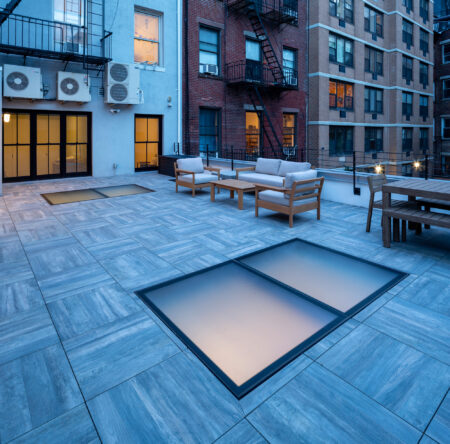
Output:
(256, 73)
(36, 37)
(280, 11)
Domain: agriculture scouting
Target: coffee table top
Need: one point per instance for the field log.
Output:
(234, 184)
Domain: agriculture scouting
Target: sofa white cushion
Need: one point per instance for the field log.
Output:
(295, 177)
(292, 167)
(265, 179)
(279, 198)
(194, 164)
(267, 166)
(199, 178)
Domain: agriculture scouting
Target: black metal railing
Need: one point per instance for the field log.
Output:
(280, 11)
(425, 163)
(36, 37)
(248, 153)
(248, 71)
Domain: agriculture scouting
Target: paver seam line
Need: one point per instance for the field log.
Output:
(434, 414)
(372, 399)
(249, 423)
(404, 343)
(62, 346)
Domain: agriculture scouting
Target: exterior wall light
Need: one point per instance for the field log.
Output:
(6, 117)
(378, 169)
(416, 164)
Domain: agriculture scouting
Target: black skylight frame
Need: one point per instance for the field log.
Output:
(98, 191)
(341, 317)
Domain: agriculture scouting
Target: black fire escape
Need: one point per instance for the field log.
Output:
(257, 77)
(87, 43)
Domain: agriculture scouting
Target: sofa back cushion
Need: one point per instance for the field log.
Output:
(267, 166)
(292, 167)
(192, 164)
(295, 177)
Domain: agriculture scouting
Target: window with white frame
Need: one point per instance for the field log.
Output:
(209, 50)
(147, 37)
(69, 37)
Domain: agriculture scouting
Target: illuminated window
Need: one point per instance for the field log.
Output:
(252, 132)
(147, 40)
(289, 129)
(341, 95)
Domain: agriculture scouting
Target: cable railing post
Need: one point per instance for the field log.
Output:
(232, 158)
(356, 191)
(426, 166)
(207, 155)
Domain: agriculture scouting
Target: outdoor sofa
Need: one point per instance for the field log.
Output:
(270, 171)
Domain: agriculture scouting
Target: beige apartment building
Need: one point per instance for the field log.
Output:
(370, 83)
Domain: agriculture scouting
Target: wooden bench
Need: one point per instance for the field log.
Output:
(410, 212)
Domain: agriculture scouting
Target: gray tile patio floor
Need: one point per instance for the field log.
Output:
(83, 360)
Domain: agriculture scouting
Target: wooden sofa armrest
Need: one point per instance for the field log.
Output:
(214, 169)
(262, 187)
(238, 170)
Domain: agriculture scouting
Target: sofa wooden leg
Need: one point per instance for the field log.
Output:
(193, 192)
(291, 220)
(403, 230)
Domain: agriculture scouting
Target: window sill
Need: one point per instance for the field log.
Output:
(147, 67)
(210, 76)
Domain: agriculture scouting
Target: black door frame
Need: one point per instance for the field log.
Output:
(33, 143)
(160, 142)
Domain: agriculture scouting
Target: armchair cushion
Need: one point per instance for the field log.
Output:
(194, 164)
(265, 179)
(199, 178)
(267, 166)
(296, 177)
(277, 197)
(292, 167)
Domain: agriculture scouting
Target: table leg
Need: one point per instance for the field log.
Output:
(241, 200)
(396, 229)
(213, 192)
(386, 231)
(231, 194)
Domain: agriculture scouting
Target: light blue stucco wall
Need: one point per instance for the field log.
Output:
(113, 134)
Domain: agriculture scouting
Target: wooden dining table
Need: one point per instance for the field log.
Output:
(413, 189)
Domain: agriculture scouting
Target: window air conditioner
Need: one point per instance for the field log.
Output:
(209, 69)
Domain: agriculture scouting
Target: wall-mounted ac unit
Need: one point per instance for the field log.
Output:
(22, 81)
(122, 84)
(73, 87)
(209, 69)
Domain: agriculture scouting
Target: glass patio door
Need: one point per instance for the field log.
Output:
(48, 144)
(16, 146)
(76, 144)
(147, 142)
(45, 144)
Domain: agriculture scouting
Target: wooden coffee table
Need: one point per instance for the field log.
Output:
(233, 185)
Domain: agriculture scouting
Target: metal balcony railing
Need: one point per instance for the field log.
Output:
(279, 11)
(256, 73)
(36, 37)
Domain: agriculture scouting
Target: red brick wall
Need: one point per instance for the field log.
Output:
(214, 92)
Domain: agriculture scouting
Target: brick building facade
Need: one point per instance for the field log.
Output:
(237, 92)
